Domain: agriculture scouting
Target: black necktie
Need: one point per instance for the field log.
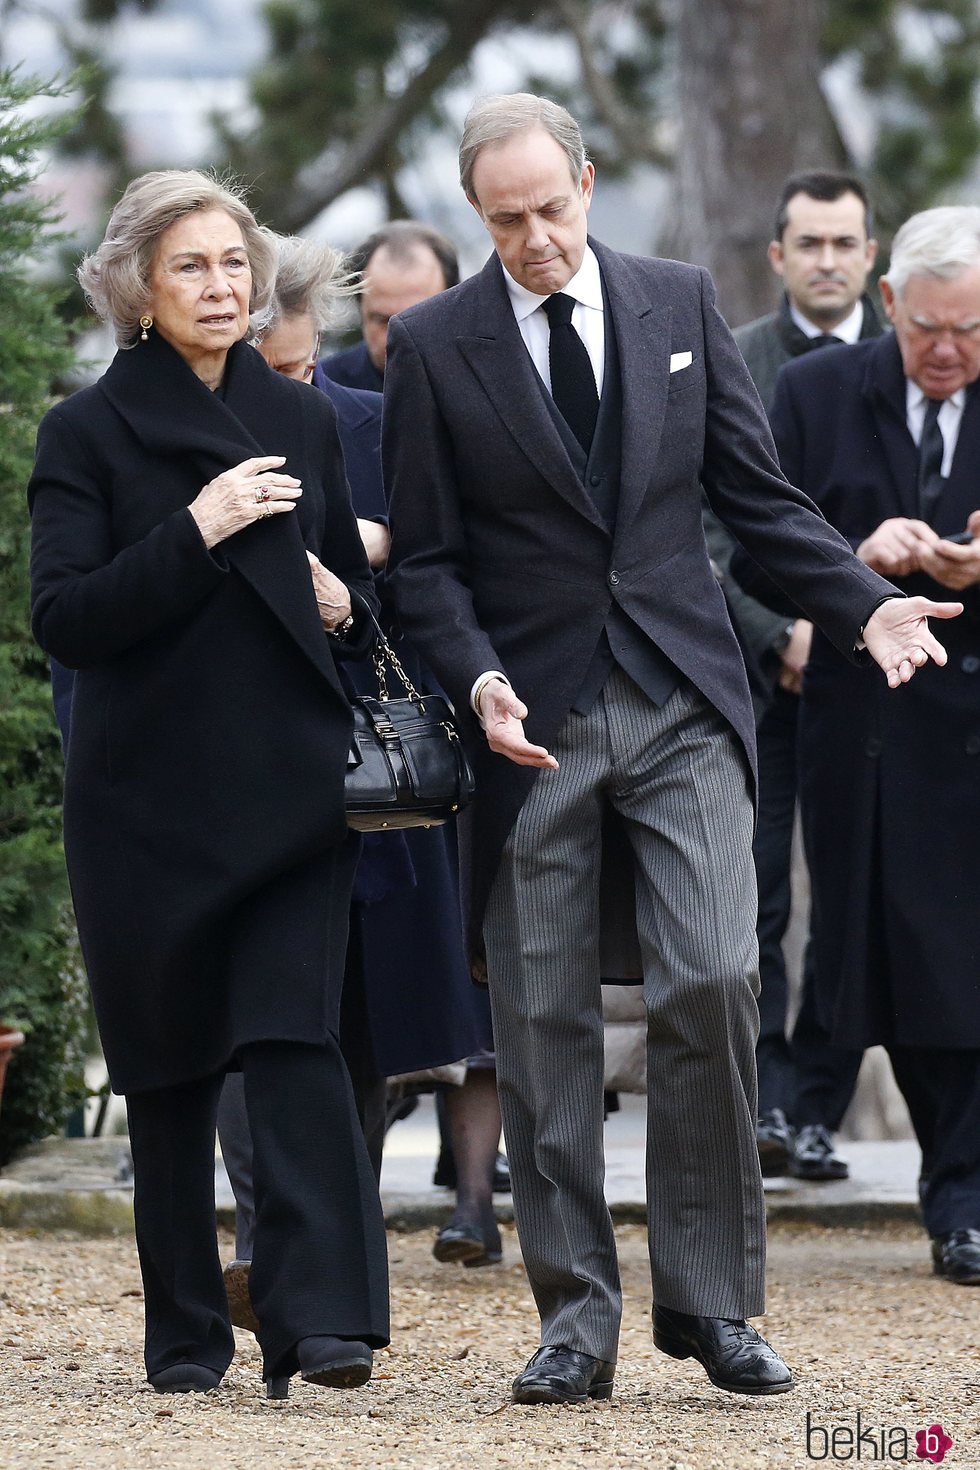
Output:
(931, 450)
(826, 339)
(572, 379)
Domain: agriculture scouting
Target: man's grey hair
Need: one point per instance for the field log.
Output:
(492, 120)
(116, 277)
(941, 243)
(310, 280)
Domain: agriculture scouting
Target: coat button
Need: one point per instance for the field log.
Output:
(595, 479)
(872, 746)
(614, 579)
(970, 664)
(973, 745)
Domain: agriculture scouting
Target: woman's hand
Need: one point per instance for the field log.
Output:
(239, 496)
(332, 595)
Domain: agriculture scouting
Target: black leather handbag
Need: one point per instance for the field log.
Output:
(407, 766)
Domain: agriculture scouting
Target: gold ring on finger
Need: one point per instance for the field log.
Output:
(264, 493)
(266, 510)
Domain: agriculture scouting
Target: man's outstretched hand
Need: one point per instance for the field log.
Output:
(898, 638)
(502, 714)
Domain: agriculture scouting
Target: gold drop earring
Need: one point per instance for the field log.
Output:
(145, 322)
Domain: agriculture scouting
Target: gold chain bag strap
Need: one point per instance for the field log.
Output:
(407, 766)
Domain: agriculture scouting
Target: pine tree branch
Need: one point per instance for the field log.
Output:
(327, 178)
(631, 132)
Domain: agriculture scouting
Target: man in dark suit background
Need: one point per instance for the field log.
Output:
(547, 427)
(399, 265)
(886, 439)
(823, 249)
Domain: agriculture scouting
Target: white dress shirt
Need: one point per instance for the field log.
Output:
(585, 287)
(849, 330)
(950, 417)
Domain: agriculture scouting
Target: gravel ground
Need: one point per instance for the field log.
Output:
(865, 1326)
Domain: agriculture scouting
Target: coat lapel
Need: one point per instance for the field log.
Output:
(174, 416)
(884, 387)
(643, 338)
(498, 357)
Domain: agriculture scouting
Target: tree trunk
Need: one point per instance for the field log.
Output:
(750, 111)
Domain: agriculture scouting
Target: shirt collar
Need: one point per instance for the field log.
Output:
(915, 398)
(585, 286)
(849, 330)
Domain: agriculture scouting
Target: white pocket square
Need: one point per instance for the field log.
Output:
(680, 360)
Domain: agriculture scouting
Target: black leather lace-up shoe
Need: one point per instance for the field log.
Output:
(814, 1157)
(731, 1352)
(774, 1138)
(956, 1256)
(558, 1375)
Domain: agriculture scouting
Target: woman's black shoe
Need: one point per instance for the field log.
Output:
(330, 1362)
(185, 1378)
(334, 1362)
(468, 1244)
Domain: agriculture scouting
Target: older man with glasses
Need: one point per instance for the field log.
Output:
(885, 437)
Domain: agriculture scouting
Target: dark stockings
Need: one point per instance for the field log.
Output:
(473, 1115)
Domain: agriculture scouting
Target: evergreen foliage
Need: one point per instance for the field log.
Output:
(41, 989)
(918, 64)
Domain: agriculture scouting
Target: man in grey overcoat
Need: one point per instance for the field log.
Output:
(547, 428)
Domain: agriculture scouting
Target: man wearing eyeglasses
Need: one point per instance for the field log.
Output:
(885, 437)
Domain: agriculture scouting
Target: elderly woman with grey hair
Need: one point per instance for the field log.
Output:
(181, 507)
(310, 281)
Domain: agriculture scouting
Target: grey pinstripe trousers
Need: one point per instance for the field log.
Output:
(678, 780)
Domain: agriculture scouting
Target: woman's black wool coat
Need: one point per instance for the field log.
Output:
(204, 795)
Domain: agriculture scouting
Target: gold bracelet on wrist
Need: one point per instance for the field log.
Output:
(483, 684)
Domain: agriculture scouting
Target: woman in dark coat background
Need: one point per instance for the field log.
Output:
(186, 509)
(406, 958)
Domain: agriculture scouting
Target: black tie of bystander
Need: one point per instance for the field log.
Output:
(931, 449)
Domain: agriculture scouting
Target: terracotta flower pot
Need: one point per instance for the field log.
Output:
(9, 1039)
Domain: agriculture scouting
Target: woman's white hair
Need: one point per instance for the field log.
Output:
(116, 278)
(941, 243)
(310, 281)
(494, 119)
